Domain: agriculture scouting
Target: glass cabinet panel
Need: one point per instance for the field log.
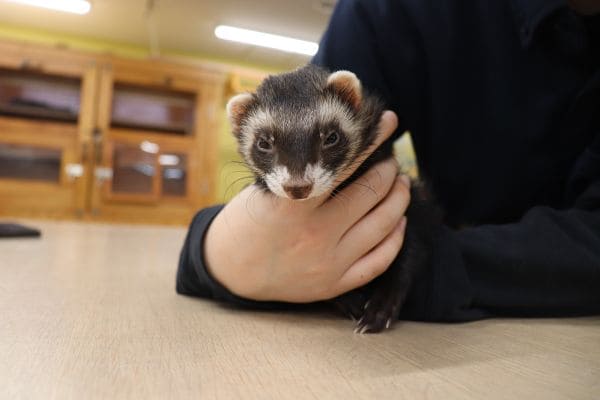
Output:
(151, 109)
(31, 95)
(29, 162)
(134, 168)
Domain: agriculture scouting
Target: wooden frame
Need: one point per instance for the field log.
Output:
(107, 189)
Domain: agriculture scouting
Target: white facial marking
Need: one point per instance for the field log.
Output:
(321, 178)
(332, 109)
(276, 179)
(256, 120)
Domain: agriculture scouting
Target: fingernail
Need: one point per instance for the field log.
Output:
(406, 180)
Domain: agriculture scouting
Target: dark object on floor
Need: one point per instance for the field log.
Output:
(8, 230)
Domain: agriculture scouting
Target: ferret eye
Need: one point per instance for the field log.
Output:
(331, 139)
(264, 145)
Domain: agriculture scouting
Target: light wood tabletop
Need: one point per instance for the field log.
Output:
(89, 311)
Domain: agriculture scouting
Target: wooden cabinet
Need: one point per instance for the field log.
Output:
(105, 138)
(46, 118)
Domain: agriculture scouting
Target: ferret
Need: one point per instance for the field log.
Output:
(297, 133)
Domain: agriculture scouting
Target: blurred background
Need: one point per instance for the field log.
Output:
(114, 110)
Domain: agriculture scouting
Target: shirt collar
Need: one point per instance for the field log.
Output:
(529, 15)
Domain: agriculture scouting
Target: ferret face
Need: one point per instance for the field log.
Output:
(300, 130)
(298, 154)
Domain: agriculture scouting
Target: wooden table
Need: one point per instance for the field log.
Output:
(90, 312)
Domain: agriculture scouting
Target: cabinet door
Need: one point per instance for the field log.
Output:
(43, 121)
(38, 168)
(147, 155)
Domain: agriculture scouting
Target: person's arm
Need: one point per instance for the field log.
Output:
(193, 278)
(548, 263)
(267, 248)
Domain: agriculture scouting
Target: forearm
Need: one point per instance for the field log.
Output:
(547, 264)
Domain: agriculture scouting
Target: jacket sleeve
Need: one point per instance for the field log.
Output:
(546, 264)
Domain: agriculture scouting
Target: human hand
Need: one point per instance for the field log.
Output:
(265, 247)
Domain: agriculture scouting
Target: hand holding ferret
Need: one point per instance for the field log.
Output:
(266, 247)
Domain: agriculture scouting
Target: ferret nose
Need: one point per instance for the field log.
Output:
(298, 192)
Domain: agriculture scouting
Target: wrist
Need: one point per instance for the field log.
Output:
(223, 265)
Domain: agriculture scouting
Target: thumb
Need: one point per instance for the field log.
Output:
(386, 127)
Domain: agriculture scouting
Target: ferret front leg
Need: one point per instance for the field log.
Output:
(391, 288)
(383, 308)
(351, 304)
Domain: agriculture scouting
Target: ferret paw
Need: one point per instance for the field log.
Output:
(351, 304)
(380, 313)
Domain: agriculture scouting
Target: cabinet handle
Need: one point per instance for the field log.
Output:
(74, 170)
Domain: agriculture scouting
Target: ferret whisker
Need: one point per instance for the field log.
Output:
(244, 163)
(230, 187)
(223, 169)
(367, 186)
(340, 197)
(251, 196)
(243, 177)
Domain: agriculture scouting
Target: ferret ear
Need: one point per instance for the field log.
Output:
(237, 107)
(346, 85)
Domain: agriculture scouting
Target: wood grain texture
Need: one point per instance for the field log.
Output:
(89, 312)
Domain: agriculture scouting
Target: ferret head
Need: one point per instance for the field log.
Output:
(301, 129)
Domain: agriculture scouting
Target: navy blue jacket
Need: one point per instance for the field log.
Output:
(503, 102)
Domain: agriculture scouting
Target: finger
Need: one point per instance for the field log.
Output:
(353, 202)
(386, 127)
(373, 264)
(374, 227)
